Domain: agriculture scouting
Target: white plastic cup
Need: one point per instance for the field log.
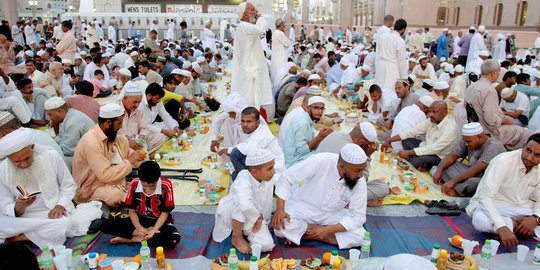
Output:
(68, 252)
(354, 256)
(60, 262)
(59, 250)
(468, 247)
(494, 247)
(256, 250)
(117, 265)
(522, 252)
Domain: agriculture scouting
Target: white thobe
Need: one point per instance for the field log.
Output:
(457, 48)
(505, 192)
(57, 32)
(111, 33)
(457, 89)
(280, 46)
(477, 45)
(445, 77)
(350, 75)
(249, 69)
(17, 34)
(429, 71)
(154, 26)
(380, 32)
(440, 138)
(499, 52)
(246, 201)
(30, 34)
(119, 59)
(57, 187)
(150, 114)
(292, 36)
(390, 101)
(35, 77)
(262, 138)
(391, 61)
(321, 199)
(91, 36)
(170, 31)
(230, 127)
(369, 61)
(209, 39)
(474, 66)
(91, 68)
(407, 118)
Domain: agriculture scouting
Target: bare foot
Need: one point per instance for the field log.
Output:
(451, 192)
(395, 190)
(241, 244)
(374, 203)
(19, 238)
(121, 240)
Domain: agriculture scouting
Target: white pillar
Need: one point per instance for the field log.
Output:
(9, 10)
(263, 6)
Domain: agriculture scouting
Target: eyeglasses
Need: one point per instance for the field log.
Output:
(317, 108)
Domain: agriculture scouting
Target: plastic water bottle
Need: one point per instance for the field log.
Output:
(485, 256)
(174, 142)
(233, 259)
(253, 263)
(366, 246)
(435, 253)
(536, 255)
(46, 258)
(208, 186)
(334, 256)
(145, 256)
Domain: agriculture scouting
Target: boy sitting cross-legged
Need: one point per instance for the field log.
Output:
(150, 200)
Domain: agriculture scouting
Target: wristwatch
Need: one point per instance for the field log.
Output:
(537, 219)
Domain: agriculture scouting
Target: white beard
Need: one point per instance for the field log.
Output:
(28, 177)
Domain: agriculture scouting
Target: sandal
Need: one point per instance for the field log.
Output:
(443, 212)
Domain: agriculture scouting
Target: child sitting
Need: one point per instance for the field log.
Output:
(150, 199)
(97, 82)
(248, 207)
(374, 105)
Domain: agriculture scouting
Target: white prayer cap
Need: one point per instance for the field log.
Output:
(15, 141)
(459, 68)
(333, 86)
(186, 65)
(472, 28)
(443, 59)
(306, 71)
(311, 51)
(54, 103)
(412, 77)
(141, 84)
(29, 53)
(176, 71)
(413, 60)
(345, 61)
(314, 90)
(258, 157)
(32, 42)
(235, 102)
(314, 77)
(240, 9)
(111, 110)
(77, 56)
(426, 100)
(342, 53)
(5, 117)
(353, 154)
(125, 72)
(471, 129)
(441, 85)
(48, 45)
(40, 53)
(315, 99)
(83, 53)
(500, 36)
(369, 131)
(481, 28)
(185, 73)
(197, 68)
(445, 30)
(443, 64)
(516, 70)
(507, 92)
(200, 59)
(408, 262)
(422, 57)
(484, 53)
(366, 68)
(133, 91)
(429, 82)
(67, 61)
(106, 54)
(455, 55)
(134, 53)
(448, 67)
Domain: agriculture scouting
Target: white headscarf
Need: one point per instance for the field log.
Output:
(282, 72)
(235, 102)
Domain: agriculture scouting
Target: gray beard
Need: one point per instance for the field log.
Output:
(28, 177)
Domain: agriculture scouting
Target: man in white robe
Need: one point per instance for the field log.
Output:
(391, 59)
(208, 37)
(292, 35)
(228, 121)
(499, 53)
(170, 31)
(17, 33)
(477, 45)
(42, 218)
(250, 75)
(111, 33)
(280, 47)
(316, 209)
(30, 34)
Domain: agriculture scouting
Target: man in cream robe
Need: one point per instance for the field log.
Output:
(280, 48)
(92, 34)
(67, 47)
(391, 58)
(208, 37)
(45, 218)
(250, 71)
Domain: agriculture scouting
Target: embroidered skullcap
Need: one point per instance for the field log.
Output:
(315, 99)
(176, 71)
(369, 131)
(111, 110)
(5, 117)
(472, 28)
(133, 91)
(186, 65)
(54, 103)
(441, 85)
(426, 100)
(67, 61)
(29, 53)
(471, 129)
(185, 73)
(15, 141)
(314, 90)
(125, 72)
(314, 77)
(134, 53)
(258, 157)
(353, 154)
(459, 68)
(507, 92)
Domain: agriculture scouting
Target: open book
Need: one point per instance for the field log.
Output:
(25, 193)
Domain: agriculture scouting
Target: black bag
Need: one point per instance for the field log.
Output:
(524, 120)
(472, 116)
(212, 104)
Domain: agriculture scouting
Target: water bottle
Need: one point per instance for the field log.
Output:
(233, 259)
(174, 143)
(536, 255)
(145, 256)
(208, 186)
(157, 157)
(485, 256)
(435, 253)
(46, 258)
(334, 256)
(253, 263)
(366, 246)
